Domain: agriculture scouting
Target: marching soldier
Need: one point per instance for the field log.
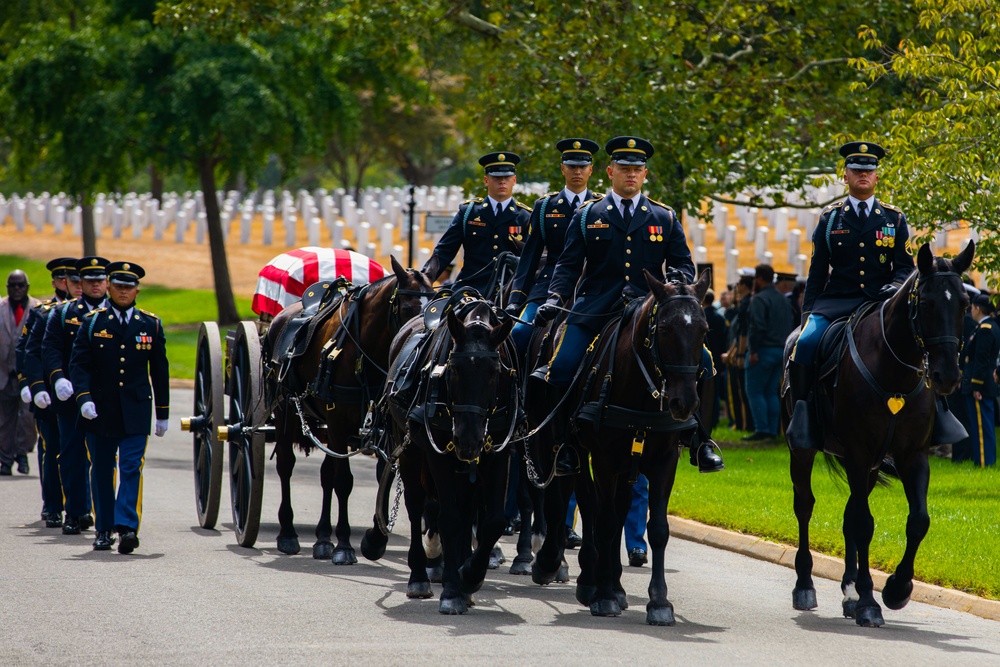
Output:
(626, 232)
(61, 330)
(979, 387)
(484, 227)
(36, 389)
(118, 351)
(547, 227)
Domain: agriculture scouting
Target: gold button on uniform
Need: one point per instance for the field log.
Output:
(123, 347)
(862, 259)
(121, 384)
(862, 245)
(628, 238)
(862, 273)
(862, 284)
(495, 236)
(627, 265)
(628, 277)
(628, 251)
(494, 247)
(122, 371)
(123, 358)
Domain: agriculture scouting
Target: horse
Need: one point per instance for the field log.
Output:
(881, 408)
(362, 327)
(638, 398)
(452, 428)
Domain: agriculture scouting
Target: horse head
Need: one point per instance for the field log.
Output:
(413, 288)
(472, 374)
(676, 334)
(937, 302)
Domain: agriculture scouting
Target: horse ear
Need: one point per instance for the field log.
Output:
(500, 332)
(658, 288)
(701, 287)
(397, 269)
(962, 263)
(456, 326)
(925, 259)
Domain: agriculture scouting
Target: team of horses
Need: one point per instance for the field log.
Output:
(432, 382)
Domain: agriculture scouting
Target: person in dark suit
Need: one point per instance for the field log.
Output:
(547, 227)
(979, 386)
(119, 350)
(716, 341)
(484, 228)
(861, 252)
(61, 330)
(962, 449)
(37, 390)
(617, 236)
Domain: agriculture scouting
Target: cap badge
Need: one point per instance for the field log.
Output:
(126, 267)
(93, 262)
(864, 148)
(576, 144)
(501, 157)
(631, 143)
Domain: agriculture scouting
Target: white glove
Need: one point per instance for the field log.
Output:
(43, 400)
(161, 427)
(88, 410)
(64, 389)
(26, 395)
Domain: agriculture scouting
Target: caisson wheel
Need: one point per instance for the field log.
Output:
(208, 416)
(246, 444)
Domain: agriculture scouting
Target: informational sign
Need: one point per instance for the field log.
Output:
(437, 224)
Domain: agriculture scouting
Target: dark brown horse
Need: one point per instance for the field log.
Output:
(364, 323)
(642, 396)
(881, 404)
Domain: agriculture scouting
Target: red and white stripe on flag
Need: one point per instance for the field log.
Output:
(284, 279)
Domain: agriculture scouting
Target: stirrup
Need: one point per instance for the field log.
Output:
(947, 428)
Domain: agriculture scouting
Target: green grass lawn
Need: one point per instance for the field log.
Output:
(754, 495)
(181, 310)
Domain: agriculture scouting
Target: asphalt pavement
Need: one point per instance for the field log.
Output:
(192, 596)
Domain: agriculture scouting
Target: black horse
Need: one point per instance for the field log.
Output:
(364, 324)
(452, 427)
(636, 402)
(877, 411)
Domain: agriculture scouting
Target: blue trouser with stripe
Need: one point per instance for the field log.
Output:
(805, 348)
(635, 521)
(123, 511)
(521, 333)
(74, 466)
(48, 467)
(982, 436)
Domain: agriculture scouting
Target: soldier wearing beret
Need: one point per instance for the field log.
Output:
(61, 330)
(547, 227)
(861, 252)
(118, 351)
(618, 236)
(979, 386)
(35, 388)
(484, 228)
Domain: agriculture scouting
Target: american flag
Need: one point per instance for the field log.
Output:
(285, 278)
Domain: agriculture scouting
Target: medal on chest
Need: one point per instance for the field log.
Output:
(655, 232)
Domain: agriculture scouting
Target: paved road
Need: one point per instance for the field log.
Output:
(191, 596)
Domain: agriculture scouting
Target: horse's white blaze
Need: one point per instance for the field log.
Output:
(851, 593)
(947, 294)
(432, 545)
(687, 318)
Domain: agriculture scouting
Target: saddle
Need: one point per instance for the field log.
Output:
(319, 303)
(832, 344)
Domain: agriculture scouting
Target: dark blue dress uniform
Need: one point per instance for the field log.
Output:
(61, 330)
(481, 232)
(31, 374)
(112, 366)
(979, 360)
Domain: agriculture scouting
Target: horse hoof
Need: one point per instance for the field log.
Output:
(520, 567)
(896, 593)
(453, 606)
(804, 599)
(660, 615)
(539, 577)
(850, 608)
(605, 608)
(563, 575)
(371, 547)
(621, 599)
(344, 556)
(419, 590)
(323, 550)
(585, 593)
(289, 545)
(470, 600)
(435, 574)
(869, 617)
(496, 558)
(468, 582)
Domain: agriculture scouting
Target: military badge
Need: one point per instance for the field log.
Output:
(598, 225)
(655, 232)
(514, 231)
(886, 237)
(881, 259)
(908, 247)
(103, 333)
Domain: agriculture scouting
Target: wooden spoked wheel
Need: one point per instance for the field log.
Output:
(208, 416)
(246, 444)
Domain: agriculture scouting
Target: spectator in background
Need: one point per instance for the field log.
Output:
(979, 387)
(962, 450)
(716, 341)
(735, 356)
(785, 283)
(17, 424)
(770, 323)
(795, 298)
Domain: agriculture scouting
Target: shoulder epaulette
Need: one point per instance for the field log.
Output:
(46, 307)
(836, 204)
(658, 203)
(95, 311)
(551, 194)
(597, 197)
(474, 200)
(146, 312)
(524, 206)
(984, 325)
(891, 207)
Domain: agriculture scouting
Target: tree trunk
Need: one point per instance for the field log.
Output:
(220, 265)
(156, 183)
(87, 231)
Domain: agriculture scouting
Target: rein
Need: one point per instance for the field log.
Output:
(650, 342)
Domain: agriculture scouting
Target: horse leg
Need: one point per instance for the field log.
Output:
(867, 611)
(586, 501)
(608, 529)
(623, 504)
(659, 610)
(288, 539)
(549, 556)
(529, 520)
(415, 497)
(374, 541)
(454, 527)
(800, 470)
(343, 484)
(432, 541)
(915, 476)
(323, 548)
(493, 472)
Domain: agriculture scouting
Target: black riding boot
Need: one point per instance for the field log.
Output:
(947, 429)
(803, 427)
(703, 450)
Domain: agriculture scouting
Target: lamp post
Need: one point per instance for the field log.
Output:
(412, 205)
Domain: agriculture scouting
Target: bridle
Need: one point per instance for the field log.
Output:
(659, 367)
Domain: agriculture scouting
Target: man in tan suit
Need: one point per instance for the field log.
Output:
(17, 425)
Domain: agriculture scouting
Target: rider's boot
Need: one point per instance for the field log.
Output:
(947, 428)
(704, 450)
(803, 427)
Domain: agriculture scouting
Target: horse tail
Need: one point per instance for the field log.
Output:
(886, 470)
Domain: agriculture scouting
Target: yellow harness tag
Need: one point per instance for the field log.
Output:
(637, 447)
(895, 404)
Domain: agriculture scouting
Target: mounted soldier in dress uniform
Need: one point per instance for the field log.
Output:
(618, 236)
(118, 351)
(61, 330)
(547, 234)
(484, 227)
(37, 390)
(979, 386)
